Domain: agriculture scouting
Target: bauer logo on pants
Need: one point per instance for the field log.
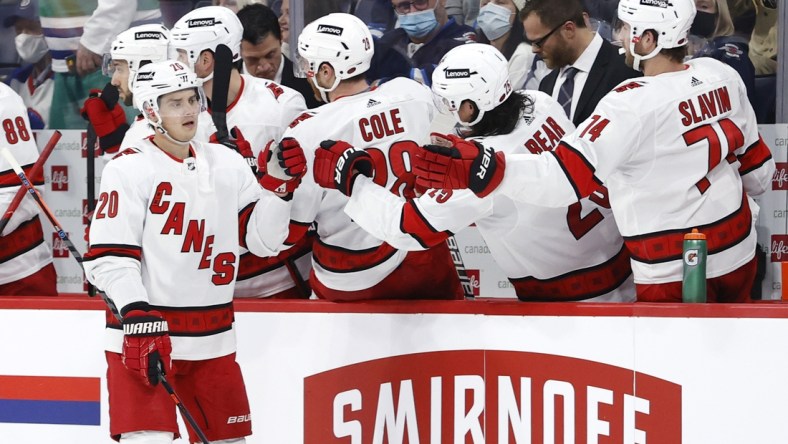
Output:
(472, 395)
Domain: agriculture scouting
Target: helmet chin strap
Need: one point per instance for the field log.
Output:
(160, 129)
(638, 58)
(324, 91)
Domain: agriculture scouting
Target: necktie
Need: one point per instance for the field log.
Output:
(567, 88)
(532, 72)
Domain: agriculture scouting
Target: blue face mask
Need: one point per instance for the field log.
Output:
(419, 24)
(494, 20)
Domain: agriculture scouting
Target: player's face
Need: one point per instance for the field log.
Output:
(120, 80)
(548, 42)
(178, 111)
(263, 59)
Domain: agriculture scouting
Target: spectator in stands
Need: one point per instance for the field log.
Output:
(500, 26)
(585, 66)
(377, 14)
(76, 33)
(713, 22)
(463, 11)
(763, 44)
(261, 50)
(34, 80)
(413, 50)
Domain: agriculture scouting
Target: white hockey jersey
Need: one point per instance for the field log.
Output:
(262, 111)
(167, 232)
(573, 253)
(389, 122)
(674, 151)
(22, 247)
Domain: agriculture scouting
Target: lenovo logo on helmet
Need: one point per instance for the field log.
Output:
(144, 76)
(657, 3)
(197, 23)
(148, 35)
(328, 29)
(457, 73)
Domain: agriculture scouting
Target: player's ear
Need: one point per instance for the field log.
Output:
(206, 60)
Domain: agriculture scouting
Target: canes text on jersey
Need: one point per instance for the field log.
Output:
(705, 106)
(194, 240)
(380, 125)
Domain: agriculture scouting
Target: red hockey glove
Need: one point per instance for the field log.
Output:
(466, 164)
(240, 145)
(337, 164)
(106, 115)
(281, 166)
(145, 344)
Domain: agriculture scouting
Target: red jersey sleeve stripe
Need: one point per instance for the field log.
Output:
(754, 157)
(415, 224)
(243, 222)
(117, 250)
(8, 178)
(577, 169)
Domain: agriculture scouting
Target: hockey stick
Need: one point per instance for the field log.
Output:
(91, 178)
(37, 167)
(70, 245)
(459, 267)
(222, 68)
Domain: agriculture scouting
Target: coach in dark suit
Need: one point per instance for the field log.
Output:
(585, 66)
(261, 51)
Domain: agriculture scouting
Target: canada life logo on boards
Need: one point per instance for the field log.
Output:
(59, 177)
(477, 396)
(780, 176)
(778, 250)
(59, 248)
(475, 279)
(84, 146)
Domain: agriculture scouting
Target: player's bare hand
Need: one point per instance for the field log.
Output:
(87, 61)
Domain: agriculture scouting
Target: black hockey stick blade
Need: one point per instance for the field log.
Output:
(223, 65)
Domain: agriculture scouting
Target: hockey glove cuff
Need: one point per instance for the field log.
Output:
(282, 166)
(337, 164)
(106, 115)
(146, 342)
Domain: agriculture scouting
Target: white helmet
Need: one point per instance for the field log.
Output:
(670, 19)
(475, 72)
(341, 40)
(140, 45)
(206, 28)
(157, 79)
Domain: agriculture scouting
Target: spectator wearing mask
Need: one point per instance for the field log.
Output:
(413, 50)
(713, 23)
(261, 50)
(34, 80)
(500, 26)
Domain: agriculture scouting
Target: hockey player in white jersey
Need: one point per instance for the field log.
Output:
(164, 246)
(258, 111)
(131, 49)
(385, 125)
(678, 149)
(25, 258)
(552, 254)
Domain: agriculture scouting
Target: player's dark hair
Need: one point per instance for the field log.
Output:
(555, 12)
(503, 118)
(258, 22)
